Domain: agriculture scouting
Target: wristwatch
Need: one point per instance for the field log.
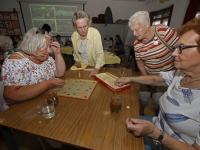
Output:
(159, 139)
(131, 79)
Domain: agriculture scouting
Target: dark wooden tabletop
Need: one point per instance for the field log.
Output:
(88, 124)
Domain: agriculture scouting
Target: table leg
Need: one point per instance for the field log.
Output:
(41, 143)
(9, 138)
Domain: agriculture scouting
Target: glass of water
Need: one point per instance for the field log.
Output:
(48, 108)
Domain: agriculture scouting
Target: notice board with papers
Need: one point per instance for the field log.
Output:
(9, 24)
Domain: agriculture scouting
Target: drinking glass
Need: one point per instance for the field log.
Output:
(48, 109)
(123, 72)
(52, 95)
(115, 103)
(38, 109)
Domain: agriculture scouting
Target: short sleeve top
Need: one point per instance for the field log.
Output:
(23, 72)
(179, 113)
(155, 56)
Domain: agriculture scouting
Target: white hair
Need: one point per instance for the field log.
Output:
(140, 16)
(6, 42)
(33, 40)
(80, 14)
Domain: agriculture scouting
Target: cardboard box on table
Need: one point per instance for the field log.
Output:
(108, 79)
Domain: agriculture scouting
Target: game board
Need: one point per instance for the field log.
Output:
(77, 88)
(108, 80)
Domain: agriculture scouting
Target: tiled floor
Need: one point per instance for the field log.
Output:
(27, 141)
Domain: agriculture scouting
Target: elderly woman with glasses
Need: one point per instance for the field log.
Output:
(87, 42)
(178, 123)
(31, 71)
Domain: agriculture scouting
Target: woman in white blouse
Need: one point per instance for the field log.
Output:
(177, 126)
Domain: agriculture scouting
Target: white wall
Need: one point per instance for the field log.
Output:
(112, 30)
(179, 10)
(120, 9)
(178, 14)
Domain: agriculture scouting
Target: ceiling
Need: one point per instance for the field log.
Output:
(142, 1)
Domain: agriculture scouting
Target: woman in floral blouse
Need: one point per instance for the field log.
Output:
(31, 71)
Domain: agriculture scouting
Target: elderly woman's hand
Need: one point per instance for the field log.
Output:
(95, 71)
(54, 82)
(122, 81)
(55, 46)
(142, 127)
(77, 63)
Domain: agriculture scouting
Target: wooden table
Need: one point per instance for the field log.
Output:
(88, 124)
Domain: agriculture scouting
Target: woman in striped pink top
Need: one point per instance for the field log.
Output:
(151, 55)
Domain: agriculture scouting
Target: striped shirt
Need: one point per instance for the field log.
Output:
(155, 56)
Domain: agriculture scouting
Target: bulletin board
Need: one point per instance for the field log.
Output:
(9, 24)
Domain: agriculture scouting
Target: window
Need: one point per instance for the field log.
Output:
(161, 16)
(198, 11)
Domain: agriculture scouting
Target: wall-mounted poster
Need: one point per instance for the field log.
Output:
(9, 24)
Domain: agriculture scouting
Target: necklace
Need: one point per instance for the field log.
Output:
(185, 83)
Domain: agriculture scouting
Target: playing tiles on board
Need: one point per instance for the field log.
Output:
(77, 88)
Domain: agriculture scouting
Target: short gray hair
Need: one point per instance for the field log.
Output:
(6, 41)
(140, 16)
(33, 40)
(80, 14)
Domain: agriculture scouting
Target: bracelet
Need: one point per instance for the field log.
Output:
(131, 79)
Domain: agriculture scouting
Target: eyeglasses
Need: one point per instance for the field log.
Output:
(80, 28)
(45, 50)
(40, 30)
(181, 47)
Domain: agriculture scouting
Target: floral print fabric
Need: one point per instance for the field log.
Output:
(23, 72)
